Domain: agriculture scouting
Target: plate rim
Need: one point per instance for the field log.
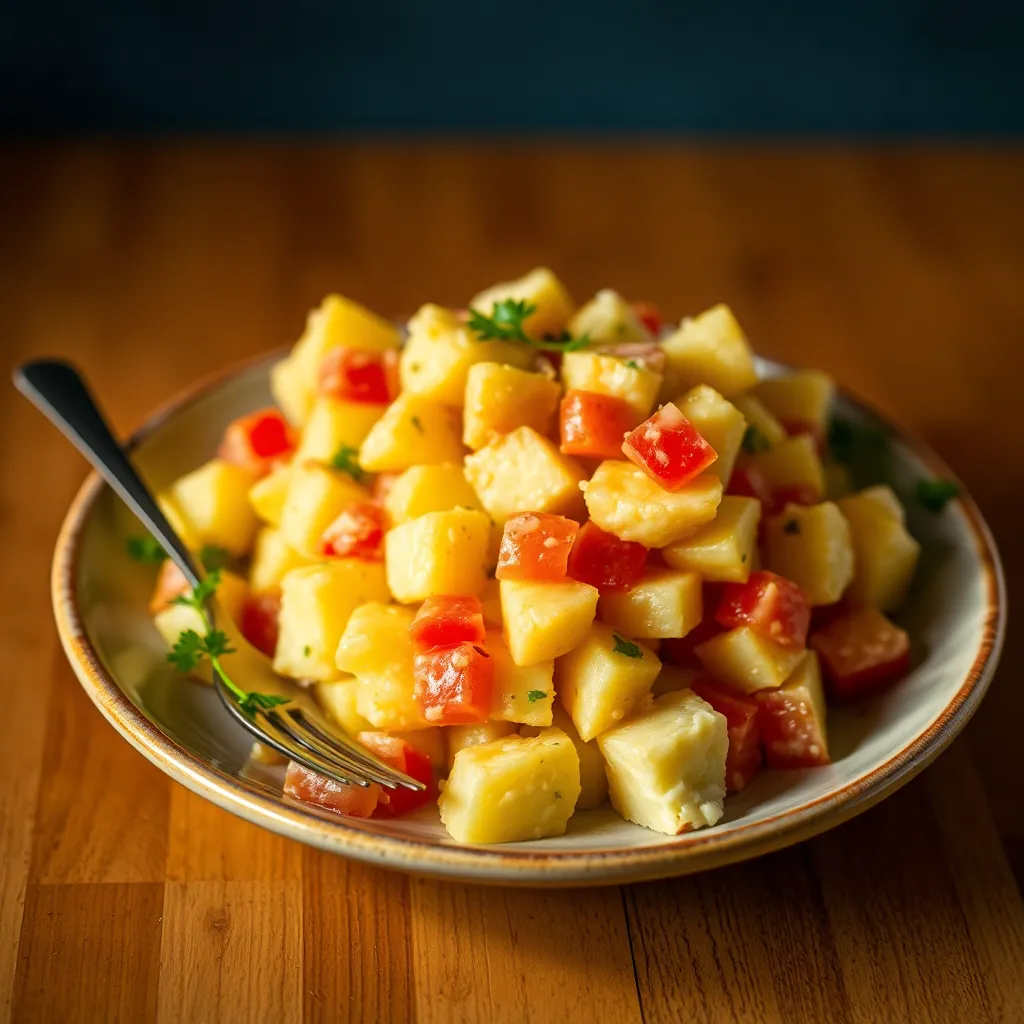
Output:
(506, 865)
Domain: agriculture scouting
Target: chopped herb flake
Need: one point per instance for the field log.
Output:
(506, 324)
(632, 364)
(626, 647)
(346, 458)
(754, 441)
(214, 557)
(934, 495)
(535, 695)
(415, 421)
(146, 549)
(558, 796)
(307, 651)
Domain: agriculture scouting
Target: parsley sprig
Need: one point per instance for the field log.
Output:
(145, 549)
(626, 647)
(346, 458)
(935, 495)
(191, 647)
(506, 324)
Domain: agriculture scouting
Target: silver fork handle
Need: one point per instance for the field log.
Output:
(57, 389)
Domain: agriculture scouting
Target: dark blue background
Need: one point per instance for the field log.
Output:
(873, 67)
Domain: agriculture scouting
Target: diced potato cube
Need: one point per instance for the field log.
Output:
(666, 765)
(723, 550)
(437, 553)
(267, 496)
(720, 423)
(792, 718)
(338, 698)
(709, 349)
(430, 741)
(334, 424)
(440, 351)
(540, 288)
(413, 431)
(885, 555)
(793, 465)
(747, 660)
(756, 413)
(602, 680)
(316, 497)
(423, 489)
(812, 546)
(501, 398)
(214, 500)
(545, 620)
(377, 649)
(292, 392)
(461, 736)
(662, 603)
(885, 497)
(622, 499)
(272, 559)
(519, 693)
(177, 521)
(593, 781)
(799, 400)
(608, 319)
(607, 375)
(523, 471)
(316, 603)
(512, 789)
(490, 600)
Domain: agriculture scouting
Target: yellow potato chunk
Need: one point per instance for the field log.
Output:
(545, 620)
(666, 765)
(812, 546)
(214, 501)
(523, 471)
(413, 430)
(593, 781)
(519, 693)
(662, 603)
(723, 550)
(512, 789)
(800, 399)
(720, 423)
(293, 393)
(602, 680)
(376, 648)
(334, 424)
(794, 465)
(440, 351)
(430, 741)
(316, 602)
(885, 497)
(622, 499)
(267, 496)
(885, 555)
(608, 375)
(316, 497)
(709, 349)
(272, 559)
(461, 736)
(608, 319)
(501, 398)
(437, 553)
(756, 413)
(338, 698)
(178, 522)
(423, 489)
(747, 660)
(540, 288)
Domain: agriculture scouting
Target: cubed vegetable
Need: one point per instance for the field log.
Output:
(437, 553)
(666, 764)
(791, 471)
(662, 603)
(593, 781)
(519, 693)
(430, 741)
(500, 398)
(743, 726)
(608, 319)
(545, 620)
(676, 677)
(214, 500)
(862, 651)
(354, 376)
(885, 497)
(603, 679)
(267, 496)
(490, 601)
(175, 517)
(512, 789)
(446, 620)
(799, 401)
(747, 660)
(607, 375)
(403, 757)
(453, 684)
(414, 430)
(811, 545)
(338, 698)
(774, 606)
(683, 652)
(460, 736)
(622, 499)
(257, 441)
(333, 425)
(423, 489)
(669, 448)
(604, 561)
(346, 798)
(316, 497)
(536, 546)
(356, 532)
(316, 603)
(259, 621)
(769, 430)
(719, 422)
(650, 316)
(723, 550)
(793, 719)
(523, 470)
(539, 288)
(709, 349)
(593, 425)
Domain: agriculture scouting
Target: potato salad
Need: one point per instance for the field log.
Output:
(542, 557)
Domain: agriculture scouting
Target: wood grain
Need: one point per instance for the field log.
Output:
(123, 897)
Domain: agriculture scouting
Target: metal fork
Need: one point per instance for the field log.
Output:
(296, 728)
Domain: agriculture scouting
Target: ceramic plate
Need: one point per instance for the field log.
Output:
(955, 616)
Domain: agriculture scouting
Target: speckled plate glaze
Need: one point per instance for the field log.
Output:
(956, 616)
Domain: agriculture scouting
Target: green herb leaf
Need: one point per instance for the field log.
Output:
(847, 441)
(198, 597)
(506, 324)
(626, 647)
(187, 651)
(754, 441)
(535, 695)
(217, 643)
(214, 557)
(415, 421)
(791, 527)
(632, 364)
(145, 549)
(346, 458)
(307, 651)
(261, 702)
(934, 495)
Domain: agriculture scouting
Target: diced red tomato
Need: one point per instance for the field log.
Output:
(382, 485)
(446, 621)
(793, 724)
(604, 561)
(354, 375)
(769, 603)
(170, 583)
(259, 620)
(744, 759)
(862, 651)
(536, 546)
(358, 532)
(355, 801)
(650, 316)
(403, 757)
(453, 684)
(594, 425)
(669, 448)
(255, 442)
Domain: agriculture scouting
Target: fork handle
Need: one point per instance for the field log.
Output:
(57, 389)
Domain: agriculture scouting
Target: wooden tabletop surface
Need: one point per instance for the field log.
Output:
(124, 897)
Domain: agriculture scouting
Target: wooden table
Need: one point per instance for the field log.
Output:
(124, 897)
